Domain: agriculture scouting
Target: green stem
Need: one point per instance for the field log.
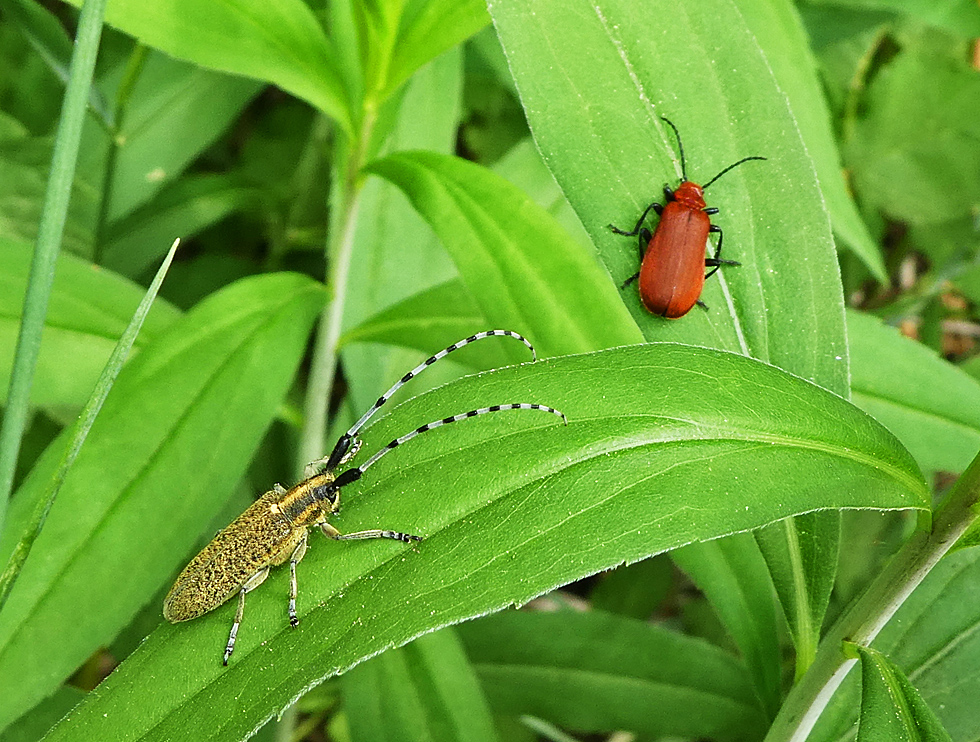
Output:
(339, 249)
(50, 231)
(876, 606)
(133, 68)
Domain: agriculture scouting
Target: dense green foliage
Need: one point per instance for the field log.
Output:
(359, 184)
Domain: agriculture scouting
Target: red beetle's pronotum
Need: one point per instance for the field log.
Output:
(673, 257)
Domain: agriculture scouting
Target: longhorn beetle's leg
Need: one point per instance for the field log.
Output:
(330, 532)
(250, 584)
(298, 553)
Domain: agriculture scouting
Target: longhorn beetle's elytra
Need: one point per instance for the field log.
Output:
(274, 528)
(672, 260)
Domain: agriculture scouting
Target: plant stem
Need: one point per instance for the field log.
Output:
(50, 231)
(875, 607)
(134, 67)
(340, 244)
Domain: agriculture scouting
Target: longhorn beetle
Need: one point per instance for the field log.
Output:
(672, 260)
(274, 528)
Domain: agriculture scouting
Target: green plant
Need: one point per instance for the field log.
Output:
(726, 439)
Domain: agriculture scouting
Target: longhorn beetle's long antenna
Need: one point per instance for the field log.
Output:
(343, 445)
(353, 474)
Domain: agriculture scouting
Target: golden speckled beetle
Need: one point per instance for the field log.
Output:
(273, 530)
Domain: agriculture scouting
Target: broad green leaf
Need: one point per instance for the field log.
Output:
(934, 640)
(802, 555)
(780, 33)
(175, 111)
(25, 163)
(957, 16)
(699, 65)
(32, 727)
(932, 406)
(595, 672)
(187, 207)
(88, 310)
(511, 506)
(426, 690)
(913, 153)
(434, 27)
(733, 576)
(429, 320)
(523, 166)
(76, 435)
(280, 43)
(891, 708)
(524, 271)
(634, 590)
(47, 37)
(183, 420)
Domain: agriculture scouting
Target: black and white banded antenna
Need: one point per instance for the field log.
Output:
(343, 447)
(355, 473)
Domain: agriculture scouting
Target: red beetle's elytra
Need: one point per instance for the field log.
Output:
(672, 258)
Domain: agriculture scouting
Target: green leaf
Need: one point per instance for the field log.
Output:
(802, 556)
(611, 155)
(523, 270)
(25, 163)
(187, 207)
(700, 66)
(933, 639)
(511, 506)
(956, 16)
(167, 449)
(47, 37)
(425, 690)
(383, 270)
(87, 312)
(891, 708)
(733, 576)
(435, 27)
(429, 320)
(779, 31)
(914, 152)
(281, 43)
(594, 672)
(634, 590)
(79, 431)
(174, 113)
(932, 406)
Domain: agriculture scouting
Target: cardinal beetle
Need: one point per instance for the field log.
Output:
(671, 268)
(274, 529)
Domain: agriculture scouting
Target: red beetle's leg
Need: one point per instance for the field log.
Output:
(716, 261)
(645, 237)
(636, 230)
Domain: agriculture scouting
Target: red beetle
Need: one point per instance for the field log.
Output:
(673, 257)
